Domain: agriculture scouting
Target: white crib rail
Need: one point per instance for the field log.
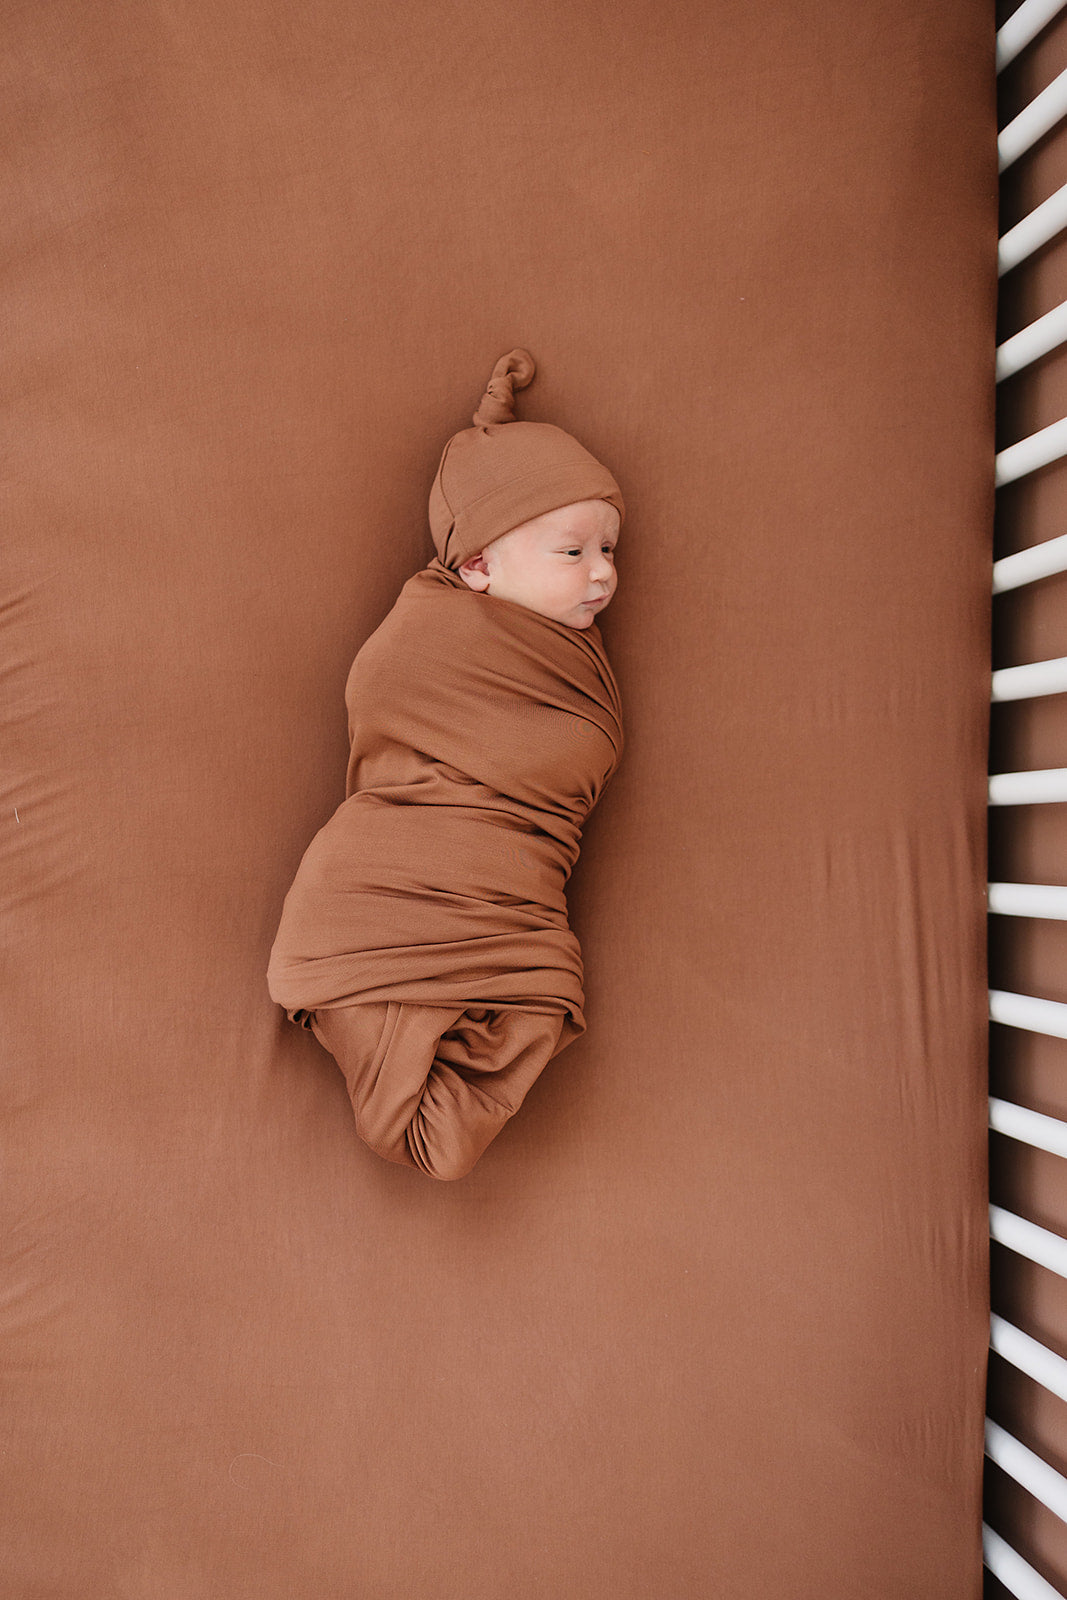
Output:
(1027, 1126)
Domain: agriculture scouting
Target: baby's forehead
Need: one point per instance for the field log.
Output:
(602, 508)
(582, 516)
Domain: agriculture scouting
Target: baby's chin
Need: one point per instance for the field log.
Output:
(579, 617)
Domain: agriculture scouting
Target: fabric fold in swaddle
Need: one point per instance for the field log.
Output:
(482, 734)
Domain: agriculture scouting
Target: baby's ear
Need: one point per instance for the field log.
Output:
(475, 572)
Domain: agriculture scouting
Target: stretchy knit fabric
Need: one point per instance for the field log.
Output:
(432, 1086)
(482, 734)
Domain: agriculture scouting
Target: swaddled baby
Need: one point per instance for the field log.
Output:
(425, 938)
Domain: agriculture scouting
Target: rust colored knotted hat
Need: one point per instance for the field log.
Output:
(501, 472)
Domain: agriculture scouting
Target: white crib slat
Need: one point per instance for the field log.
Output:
(1027, 1239)
(1026, 566)
(1029, 900)
(1031, 342)
(1017, 1575)
(1048, 444)
(1023, 25)
(1039, 1363)
(1035, 229)
(1027, 1468)
(1043, 786)
(1029, 681)
(1029, 1012)
(1033, 122)
(1029, 1127)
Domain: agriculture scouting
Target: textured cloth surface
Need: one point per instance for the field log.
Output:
(482, 734)
(709, 1318)
(432, 1086)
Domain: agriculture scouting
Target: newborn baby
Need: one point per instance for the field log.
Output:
(425, 938)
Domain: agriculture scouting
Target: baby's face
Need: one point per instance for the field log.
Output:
(561, 563)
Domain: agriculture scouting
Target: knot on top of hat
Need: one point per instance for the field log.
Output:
(513, 371)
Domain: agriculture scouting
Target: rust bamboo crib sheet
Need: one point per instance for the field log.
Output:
(482, 734)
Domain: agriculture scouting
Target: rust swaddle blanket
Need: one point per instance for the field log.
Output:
(482, 734)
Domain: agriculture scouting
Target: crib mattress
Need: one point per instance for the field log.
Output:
(709, 1318)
